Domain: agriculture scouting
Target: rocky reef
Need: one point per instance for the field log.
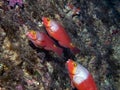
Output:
(93, 25)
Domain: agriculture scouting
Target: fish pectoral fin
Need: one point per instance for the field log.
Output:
(62, 44)
(47, 48)
(51, 47)
(34, 43)
(49, 29)
(41, 43)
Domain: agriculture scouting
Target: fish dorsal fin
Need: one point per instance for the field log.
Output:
(54, 26)
(81, 74)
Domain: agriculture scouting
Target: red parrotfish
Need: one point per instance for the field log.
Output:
(40, 39)
(57, 31)
(80, 77)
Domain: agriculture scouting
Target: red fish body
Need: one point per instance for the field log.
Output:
(80, 77)
(41, 39)
(57, 31)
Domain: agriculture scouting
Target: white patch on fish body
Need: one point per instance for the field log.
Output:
(39, 36)
(54, 26)
(81, 74)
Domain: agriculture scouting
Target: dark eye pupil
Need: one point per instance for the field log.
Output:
(75, 65)
(48, 19)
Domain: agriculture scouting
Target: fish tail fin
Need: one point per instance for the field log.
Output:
(75, 50)
(58, 50)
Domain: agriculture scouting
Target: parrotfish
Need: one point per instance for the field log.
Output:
(41, 39)
(57, 31)
(80, 76)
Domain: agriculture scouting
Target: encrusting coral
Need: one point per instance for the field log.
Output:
(94, 29)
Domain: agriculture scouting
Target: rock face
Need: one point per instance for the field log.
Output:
(94, 28)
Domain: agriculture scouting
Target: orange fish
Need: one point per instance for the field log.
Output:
(41, 39)
(80, 77)
(57, 31)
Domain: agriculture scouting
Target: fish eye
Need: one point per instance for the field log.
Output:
(48, 19)
(75, 65)
(33, 32)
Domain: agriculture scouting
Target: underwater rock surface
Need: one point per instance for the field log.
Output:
(94, 29)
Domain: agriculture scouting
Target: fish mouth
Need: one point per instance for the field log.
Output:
(27, 33)
(68, 60)
(44, 22)
(66, 64)
(30, 36)
(43, 18)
